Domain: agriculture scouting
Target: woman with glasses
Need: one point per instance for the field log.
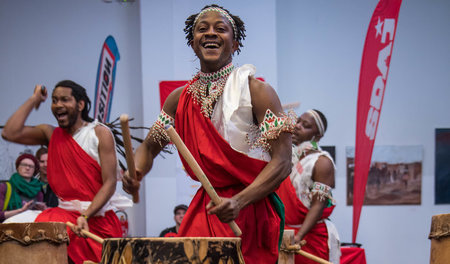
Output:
(22, 192)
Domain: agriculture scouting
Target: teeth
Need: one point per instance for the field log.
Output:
(211, 45)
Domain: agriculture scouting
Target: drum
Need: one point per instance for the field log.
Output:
(172, 250)
(33, 243)
(440, 239)
(286, 256)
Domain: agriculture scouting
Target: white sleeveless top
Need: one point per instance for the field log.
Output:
(301, 175)
(301, 178)
(88, 141)
(233, 113)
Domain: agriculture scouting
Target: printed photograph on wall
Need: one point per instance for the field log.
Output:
(331, 150)
(442, 166)
(395, 175)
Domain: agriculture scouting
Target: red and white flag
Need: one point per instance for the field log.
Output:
(372, 83)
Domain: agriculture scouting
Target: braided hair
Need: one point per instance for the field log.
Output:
(80, 95)
(240, 27)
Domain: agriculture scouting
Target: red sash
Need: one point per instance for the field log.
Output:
(229, 172)
(74, 175)
(295, 213)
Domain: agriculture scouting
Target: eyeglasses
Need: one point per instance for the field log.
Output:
(26, 165)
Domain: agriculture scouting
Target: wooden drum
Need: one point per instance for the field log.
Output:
(172, 250)
(33, 243)
(440, 239)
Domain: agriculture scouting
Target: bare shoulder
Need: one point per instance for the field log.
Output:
(171, 103)
(324, 171)
(103, 133)
(259, 88)
(263, 97)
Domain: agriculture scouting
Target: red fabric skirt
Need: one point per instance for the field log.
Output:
(259, 223)
(81, 249)
(317, 238)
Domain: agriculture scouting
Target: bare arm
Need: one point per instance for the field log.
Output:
(263, 98)
(108, 164)
(149, 149)
(14, 212)
(323, 172)
(15, 129)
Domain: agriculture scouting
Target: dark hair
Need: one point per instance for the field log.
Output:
(80, 95)
(324, 120)
(180, 207)
(41, 151)
(240, 27)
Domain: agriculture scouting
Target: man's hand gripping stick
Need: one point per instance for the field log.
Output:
(175, 138)
(128, 151)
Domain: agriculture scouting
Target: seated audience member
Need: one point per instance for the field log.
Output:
(22, 192)
(50, 198)
(178, 213)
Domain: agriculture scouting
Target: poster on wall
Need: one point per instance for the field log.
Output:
(395, 175)
(442, 166)
(331, 150)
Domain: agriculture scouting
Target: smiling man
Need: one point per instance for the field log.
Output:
(217, 115)
(81, 165)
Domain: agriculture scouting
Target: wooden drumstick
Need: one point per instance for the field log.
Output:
(128, 151)
(43, 92)
(297, 250)
(290, 106)
(175, 138)
(87, 233)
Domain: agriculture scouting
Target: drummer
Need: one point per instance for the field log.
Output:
(217, 115)
(82, 165)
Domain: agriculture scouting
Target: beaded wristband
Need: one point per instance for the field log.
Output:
(271, 128)
(84, 216)
(323, 191)
(158, 131)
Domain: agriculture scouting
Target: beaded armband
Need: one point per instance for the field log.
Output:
(323, 192)
(271, 128)
(158, 132)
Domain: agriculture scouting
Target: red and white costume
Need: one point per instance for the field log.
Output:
(219, 146)
(296, 193)
(75, 176)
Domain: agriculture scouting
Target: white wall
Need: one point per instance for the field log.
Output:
(51, 40)
(319, 51)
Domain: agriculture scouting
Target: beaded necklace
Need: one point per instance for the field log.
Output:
(206, 88)
(301, 150)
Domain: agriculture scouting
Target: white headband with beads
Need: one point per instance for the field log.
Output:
(221, 11)
(318, 120)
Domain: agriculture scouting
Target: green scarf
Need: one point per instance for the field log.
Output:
(21, 186)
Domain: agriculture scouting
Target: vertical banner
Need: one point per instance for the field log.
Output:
(372, 83)
(105, 79)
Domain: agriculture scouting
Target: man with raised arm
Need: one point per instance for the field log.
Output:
(217, 115)
(82, 165)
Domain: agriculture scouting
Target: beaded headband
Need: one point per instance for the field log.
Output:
(221, 11)
(318, 121)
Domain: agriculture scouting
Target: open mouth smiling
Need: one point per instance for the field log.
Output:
(210, 45)
(61, 115)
